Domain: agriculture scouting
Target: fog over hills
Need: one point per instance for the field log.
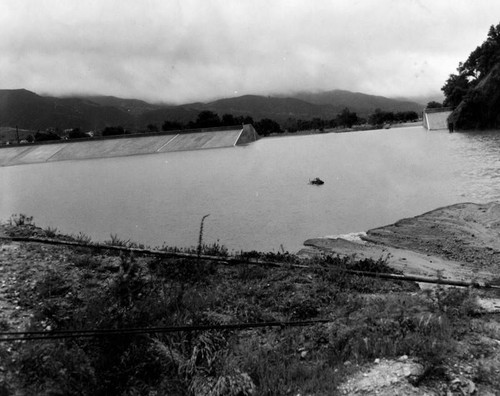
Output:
(28, 110)
(362, 103)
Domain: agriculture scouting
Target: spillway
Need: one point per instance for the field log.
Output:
(437, 119)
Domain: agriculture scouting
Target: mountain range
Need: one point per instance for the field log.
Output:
(28, 110)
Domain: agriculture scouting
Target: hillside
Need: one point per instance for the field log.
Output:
(30, 111)
(275, 108)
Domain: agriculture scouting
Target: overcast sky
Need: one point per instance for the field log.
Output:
(195, 50)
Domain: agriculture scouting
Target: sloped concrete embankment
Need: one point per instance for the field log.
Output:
(126, 146)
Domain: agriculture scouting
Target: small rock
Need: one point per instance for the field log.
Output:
(403, 358)
(377, 361)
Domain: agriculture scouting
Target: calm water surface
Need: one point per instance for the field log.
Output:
(258, 196)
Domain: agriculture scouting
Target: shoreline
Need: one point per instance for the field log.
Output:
(458, 242)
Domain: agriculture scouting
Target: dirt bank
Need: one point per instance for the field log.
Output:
(467, 233)
(460, 242)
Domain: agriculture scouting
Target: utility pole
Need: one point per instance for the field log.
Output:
(17, 133)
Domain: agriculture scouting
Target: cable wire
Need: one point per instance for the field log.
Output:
(61, 334)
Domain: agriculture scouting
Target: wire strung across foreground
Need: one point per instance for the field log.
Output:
(66, 334)
(236, 260)
(52, 335)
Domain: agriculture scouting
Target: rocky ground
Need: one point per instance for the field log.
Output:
(459, 242)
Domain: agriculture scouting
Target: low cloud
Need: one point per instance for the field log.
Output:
(181, 51)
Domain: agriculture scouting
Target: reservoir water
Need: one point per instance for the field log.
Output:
(258, 196)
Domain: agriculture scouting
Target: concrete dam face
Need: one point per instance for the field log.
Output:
(436, 119)
(125, 146)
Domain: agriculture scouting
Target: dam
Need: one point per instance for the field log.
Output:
(435, 119)
(120, 146)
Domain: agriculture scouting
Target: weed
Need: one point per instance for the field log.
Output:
(50, 232)
(20, 220)
(82, 238)
(370, 265)
(215, 249)
(200, 236)
(150, 292)
(454, 302)
(116, 241)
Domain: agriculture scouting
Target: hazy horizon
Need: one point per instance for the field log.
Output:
(418, 99)
(186, 51)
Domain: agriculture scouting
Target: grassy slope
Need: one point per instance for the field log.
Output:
(58, 288)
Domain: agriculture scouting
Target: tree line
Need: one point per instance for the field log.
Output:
(264, 127)
(267, 126)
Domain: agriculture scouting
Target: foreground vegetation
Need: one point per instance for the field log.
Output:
(82, 288)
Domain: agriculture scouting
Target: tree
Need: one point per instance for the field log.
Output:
(267, 126)
(406, 116)
(247, 120)
(114, 130)
(228, 120)
(46, 136)
(317, 124)
(434, 105)
(478, 65)
(76, 133)
(347, 118)
(171, 126)
(291, 125)
(207, 119)
(455, 89)
(380, 117)
(152, 128)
